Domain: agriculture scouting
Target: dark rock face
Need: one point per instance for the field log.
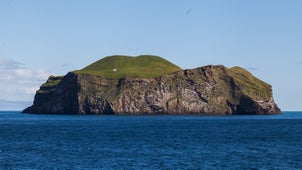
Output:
(204, 91)
(59, 98)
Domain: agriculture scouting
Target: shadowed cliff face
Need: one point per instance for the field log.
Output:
(205, 90)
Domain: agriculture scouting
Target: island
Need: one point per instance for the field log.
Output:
(151, 85)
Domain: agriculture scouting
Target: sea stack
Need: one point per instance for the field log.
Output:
(151, 85)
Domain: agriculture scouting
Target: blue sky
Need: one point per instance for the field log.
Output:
(43, 37)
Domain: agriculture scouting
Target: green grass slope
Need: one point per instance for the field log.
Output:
(249, 84)
(49, 86)
(118, 66)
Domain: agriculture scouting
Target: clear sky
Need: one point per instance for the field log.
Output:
(43, 37)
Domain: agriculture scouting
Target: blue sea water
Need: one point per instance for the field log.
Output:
(150, 142)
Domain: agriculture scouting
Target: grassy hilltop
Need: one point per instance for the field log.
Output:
(118, 66)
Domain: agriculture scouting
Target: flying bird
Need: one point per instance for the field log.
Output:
(188, 11)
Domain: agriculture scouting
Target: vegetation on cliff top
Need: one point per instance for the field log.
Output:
(50, 84)
(249, 84)
(145, 66)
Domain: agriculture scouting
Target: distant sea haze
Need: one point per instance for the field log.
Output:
(150, 142)
(14, 105)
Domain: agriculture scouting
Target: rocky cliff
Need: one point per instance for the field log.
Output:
(204, 91)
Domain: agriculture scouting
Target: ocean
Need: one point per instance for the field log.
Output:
(150, 142)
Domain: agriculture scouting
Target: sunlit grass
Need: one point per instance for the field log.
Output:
(146, 66)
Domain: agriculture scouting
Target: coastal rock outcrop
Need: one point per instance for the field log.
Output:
(208, 90)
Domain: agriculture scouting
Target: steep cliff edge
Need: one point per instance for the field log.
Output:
(204, 91)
